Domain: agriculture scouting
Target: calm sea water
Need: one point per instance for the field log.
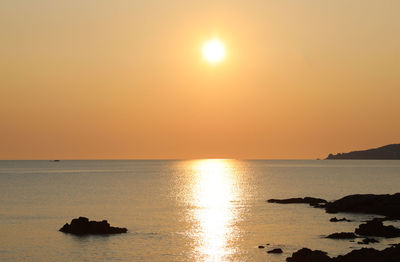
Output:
(198, 210)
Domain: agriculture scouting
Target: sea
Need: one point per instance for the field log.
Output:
(182, 210)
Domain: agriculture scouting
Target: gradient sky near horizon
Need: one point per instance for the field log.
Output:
(99, 79)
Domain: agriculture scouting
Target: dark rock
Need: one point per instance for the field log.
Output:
(261, 247)
(308, 255)
(321, 205)
(275, 251)
(82, 226)
(366, 241)
(342, 235)
(334, 219)
(376, 228)
(387, 205)
(390, 254)
(306, 200)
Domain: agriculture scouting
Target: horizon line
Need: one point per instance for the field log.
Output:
(160, 159)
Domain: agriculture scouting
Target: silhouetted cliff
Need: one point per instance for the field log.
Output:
(384, 152)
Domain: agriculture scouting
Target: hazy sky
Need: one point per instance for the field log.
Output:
(126, 79)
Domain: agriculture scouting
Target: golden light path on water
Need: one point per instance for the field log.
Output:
(214, 193)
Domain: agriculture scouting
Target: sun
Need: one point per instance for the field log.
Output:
(214, 51)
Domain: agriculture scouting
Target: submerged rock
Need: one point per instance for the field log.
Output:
(275, 251)
(334, 219)
(342, 235)
(312, 201)
(367, 240)
(82, 226)
(376, 228)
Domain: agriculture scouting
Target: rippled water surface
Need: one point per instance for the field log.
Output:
(194, 210)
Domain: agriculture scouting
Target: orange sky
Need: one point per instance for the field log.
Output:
(126, 79)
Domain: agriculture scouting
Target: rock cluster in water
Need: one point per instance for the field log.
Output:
(387, 205)
(82, 226)
(390, 254)
(376, 228)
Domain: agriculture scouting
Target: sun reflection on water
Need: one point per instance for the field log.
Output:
(214, 192)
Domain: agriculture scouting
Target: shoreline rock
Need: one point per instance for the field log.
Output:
(82, 226)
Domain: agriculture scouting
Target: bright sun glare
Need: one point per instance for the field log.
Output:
(214, 51)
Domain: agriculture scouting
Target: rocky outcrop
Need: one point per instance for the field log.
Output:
(82, 226)
(342, 235)
(308, 255)
(376, 228)
(386, 205)
(312, 201)
(390, 254)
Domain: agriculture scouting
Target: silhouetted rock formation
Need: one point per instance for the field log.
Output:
(387, 205)
(367, 240)
(390, 254)
(334, 219)
(385, 152)
(82, 226)
(275, 251)
(312, 201)
(308, 255)
(376, 228)
(342, 235)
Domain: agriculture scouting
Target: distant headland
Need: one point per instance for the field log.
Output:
(385, 152)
